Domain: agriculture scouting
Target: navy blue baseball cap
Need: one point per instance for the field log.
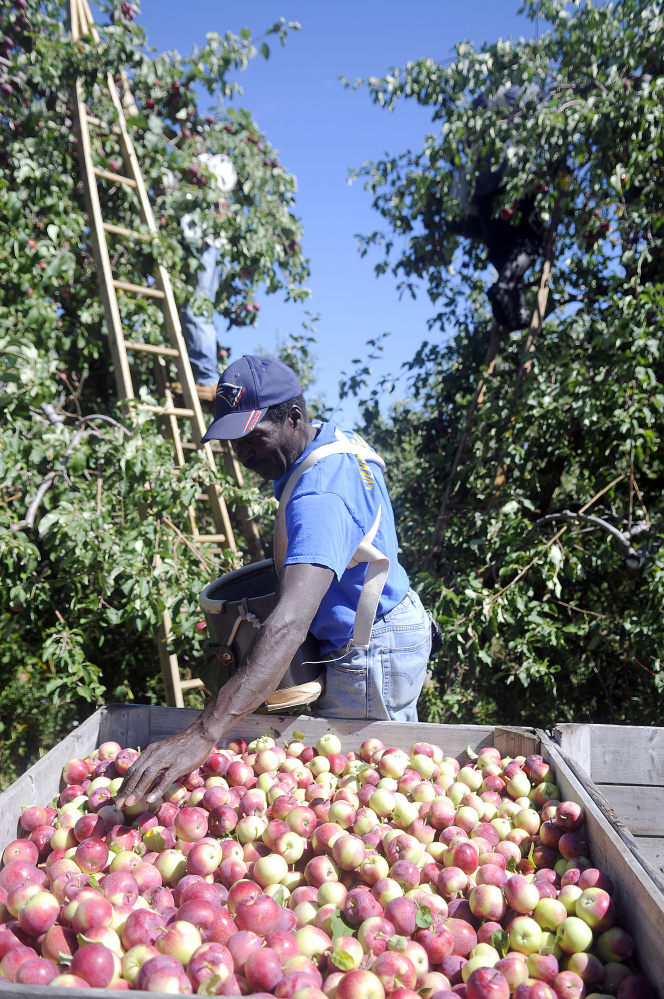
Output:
(245, 391)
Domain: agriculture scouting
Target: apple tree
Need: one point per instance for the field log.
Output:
(549, 578)
(88, 498)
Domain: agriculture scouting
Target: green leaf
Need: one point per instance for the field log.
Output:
(280, 895)
(511, 864)
(423, 917)
(265, 50)
(299, 736)
(500, 939)
(339, 927)
(342, 959)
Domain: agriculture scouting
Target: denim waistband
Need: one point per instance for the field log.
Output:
(380, 617)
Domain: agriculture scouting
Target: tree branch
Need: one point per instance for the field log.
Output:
(31, 512)
(107, 419)
(633, 559)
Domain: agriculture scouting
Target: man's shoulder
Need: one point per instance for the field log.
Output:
(346, 475)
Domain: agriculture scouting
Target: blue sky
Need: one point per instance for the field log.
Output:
(322, 130)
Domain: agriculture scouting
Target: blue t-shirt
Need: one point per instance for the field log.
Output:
(333, 506)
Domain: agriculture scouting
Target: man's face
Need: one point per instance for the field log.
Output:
(270, 449)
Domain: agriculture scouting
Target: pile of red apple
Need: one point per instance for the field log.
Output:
(309, 874)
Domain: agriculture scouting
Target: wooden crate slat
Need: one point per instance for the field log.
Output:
(516, 741)
(639, 900)
(42, 781)
(640, 808)
(615, 754)
(13, 991)
(168, 721)
(652, 848)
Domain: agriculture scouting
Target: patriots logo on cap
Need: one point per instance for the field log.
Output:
(231, 394)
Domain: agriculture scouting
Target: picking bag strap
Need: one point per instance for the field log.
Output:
(379, 564)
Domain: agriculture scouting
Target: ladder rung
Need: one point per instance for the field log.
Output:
(208, 393)
(139, 289)
(162, 411)
(211, 538)
(115, 177)
(120, 230)
(150, 348)
(188, 446)
(95, 121)
(101, 125)
(190, 684)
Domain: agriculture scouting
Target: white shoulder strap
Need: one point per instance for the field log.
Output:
(379, 564)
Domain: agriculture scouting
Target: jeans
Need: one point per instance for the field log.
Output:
(385, 680)
(200, 334)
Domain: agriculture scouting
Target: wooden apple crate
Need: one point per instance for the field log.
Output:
(638, 896)
(624, 765)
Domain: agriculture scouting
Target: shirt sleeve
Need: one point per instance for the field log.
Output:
(322, 530)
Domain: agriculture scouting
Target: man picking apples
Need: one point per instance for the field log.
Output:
(336, 551)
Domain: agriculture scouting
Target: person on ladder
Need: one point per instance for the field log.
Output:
(200, 334)
(337, 552)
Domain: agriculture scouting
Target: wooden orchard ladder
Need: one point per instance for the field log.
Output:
(174, 352)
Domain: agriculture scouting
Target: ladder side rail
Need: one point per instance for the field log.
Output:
(249, 525)
(161, 378)
(112, 316)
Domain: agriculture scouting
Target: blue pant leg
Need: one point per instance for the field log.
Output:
(403, 641)
(384, 681)
(200, 334)
(347, 683)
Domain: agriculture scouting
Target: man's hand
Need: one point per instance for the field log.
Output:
(299, 593)
(160, 764)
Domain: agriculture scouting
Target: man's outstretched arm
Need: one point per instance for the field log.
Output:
(299, 593)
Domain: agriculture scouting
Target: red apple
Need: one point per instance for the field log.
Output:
(202, 915)
(142, 926)
(262, 969)
(39, 913)
(259, 915)
(13, 960)
(240, 945)
(514, 969)
(20, 849)
(360, 905)
(487, 983)
(395, 971)
(211, 959)
(36, 971)
(92, 911)
(94, 963)
(360, 984)
(180, 940)
(569, 816)
(75, 771)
